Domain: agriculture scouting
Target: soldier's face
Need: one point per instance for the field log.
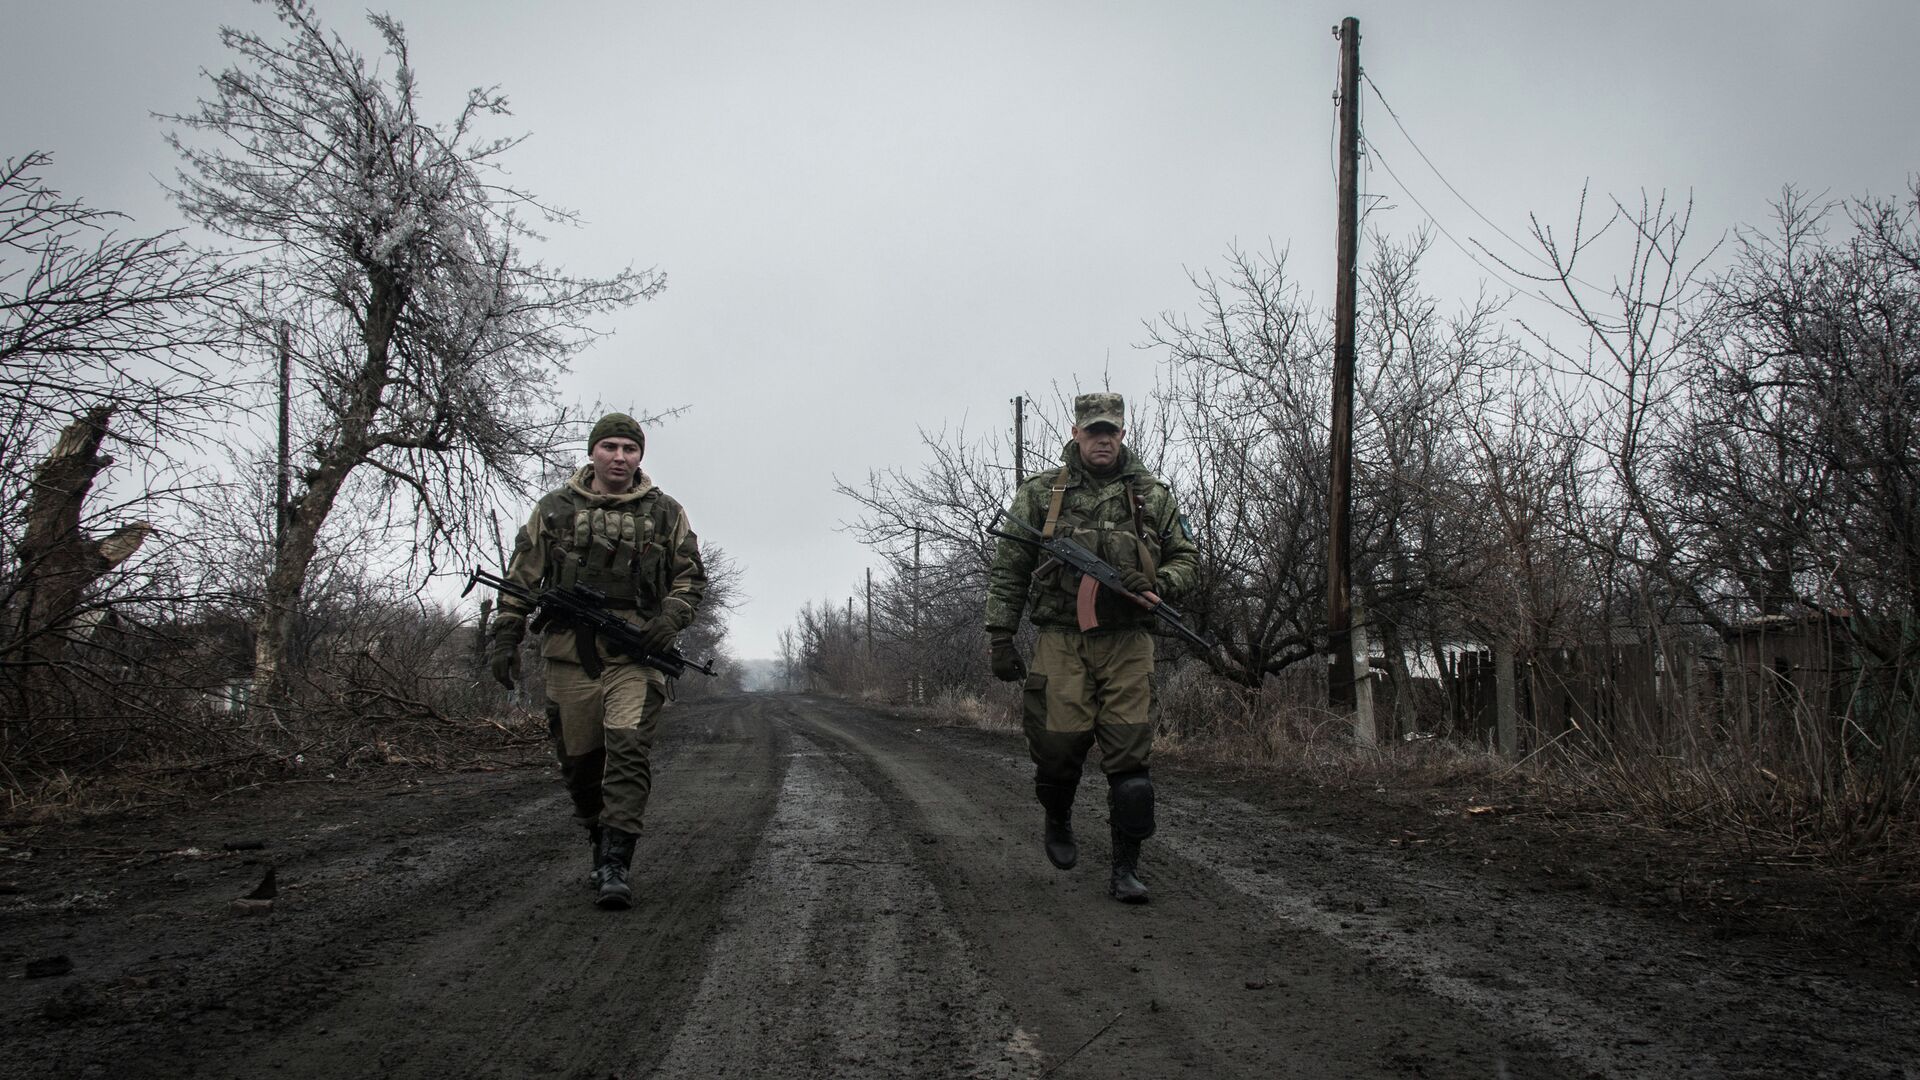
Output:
(1099, 444)
(614, 463)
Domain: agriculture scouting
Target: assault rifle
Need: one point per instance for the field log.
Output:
(583, 609)
(1096, 573)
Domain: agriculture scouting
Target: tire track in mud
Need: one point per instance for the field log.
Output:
(825, 890)
(1203, 981)
(1615, 992)
(526, 977)
(1609, 992)
(834, 957)
(466, 947)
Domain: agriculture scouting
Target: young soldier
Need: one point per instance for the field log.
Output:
(1090, 685)
(610, 528)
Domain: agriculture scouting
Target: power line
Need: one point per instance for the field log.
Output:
(1464, 201)
(1374, 151)
(1552, 270)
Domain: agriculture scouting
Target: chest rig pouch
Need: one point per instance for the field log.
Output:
(1111, 525)
(617, 551)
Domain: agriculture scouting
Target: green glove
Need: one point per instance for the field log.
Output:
(504, 656)
(657, 634)
(1007, 665)
(1136, 581)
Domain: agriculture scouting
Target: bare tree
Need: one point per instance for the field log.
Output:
(1637, 335)
(1796, 469)
(88, 317)
(428, 339)
(1246, 381)
(707, 637)
(103, 339)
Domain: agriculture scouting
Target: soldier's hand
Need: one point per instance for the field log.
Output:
(504, 656)
(658, 634)
(1139, 584)
(505, 661)
(1007, 665)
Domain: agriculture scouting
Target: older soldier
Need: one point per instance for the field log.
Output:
(1090, 685)
(609, 527)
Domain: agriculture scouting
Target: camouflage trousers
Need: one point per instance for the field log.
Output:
(1087, 688)
(603, 732)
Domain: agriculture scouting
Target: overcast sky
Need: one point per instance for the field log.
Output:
(882, 216)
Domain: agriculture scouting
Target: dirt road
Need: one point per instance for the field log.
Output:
(827, 892)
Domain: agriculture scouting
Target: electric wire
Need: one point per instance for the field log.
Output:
(1552, 272)
(1435, 169)
(1374, 151)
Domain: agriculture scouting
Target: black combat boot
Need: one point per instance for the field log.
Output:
(594, 839)
(1130, 799)
(616, 857)
(1122, 884)
(1057, 799)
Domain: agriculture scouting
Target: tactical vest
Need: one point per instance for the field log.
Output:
(1123, 543)
(1113, 526)
(620, 551)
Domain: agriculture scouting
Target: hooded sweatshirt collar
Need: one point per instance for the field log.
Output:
(582, 485)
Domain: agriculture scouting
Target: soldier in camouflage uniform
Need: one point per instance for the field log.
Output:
(1090, 685)
(611, 528)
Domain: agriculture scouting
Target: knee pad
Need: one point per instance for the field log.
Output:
(1130, 799)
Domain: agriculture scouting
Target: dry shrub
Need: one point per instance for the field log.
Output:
(960, 707)
(412, 692)
(1286, 728)
(1776, 802)
(162, 717)
(968, 709)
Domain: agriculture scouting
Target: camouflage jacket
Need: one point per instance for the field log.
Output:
(637, 547)
(1100, 515)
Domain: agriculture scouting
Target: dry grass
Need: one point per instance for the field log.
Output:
(1798, 800)
(956, 708)
(120, 762)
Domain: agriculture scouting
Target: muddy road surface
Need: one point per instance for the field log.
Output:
(826, 891)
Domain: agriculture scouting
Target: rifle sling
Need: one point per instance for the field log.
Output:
(1053, 508)
(1138, 502)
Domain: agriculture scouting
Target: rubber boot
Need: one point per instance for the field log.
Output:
(1122, 884)
(1057, 836)
(594, 839)
(1058, 839)
(616, 858)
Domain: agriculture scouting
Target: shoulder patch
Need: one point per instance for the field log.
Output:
(1186, 530)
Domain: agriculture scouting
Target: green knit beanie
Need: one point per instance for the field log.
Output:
(617, 425)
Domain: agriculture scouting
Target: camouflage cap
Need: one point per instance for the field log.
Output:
(1091, 409)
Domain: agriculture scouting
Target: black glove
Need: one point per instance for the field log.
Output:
(1007, 665)
(658, 633)
(1136, 581)
(504, 656)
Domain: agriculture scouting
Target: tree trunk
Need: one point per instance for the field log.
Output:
(1405, 716)
(351, 445)
(58, 562)
(288, 578)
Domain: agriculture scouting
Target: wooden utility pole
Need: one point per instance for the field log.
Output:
(1340, 676)
(280, 478)
(914, 692)
(869, 613)
(1019, 440)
